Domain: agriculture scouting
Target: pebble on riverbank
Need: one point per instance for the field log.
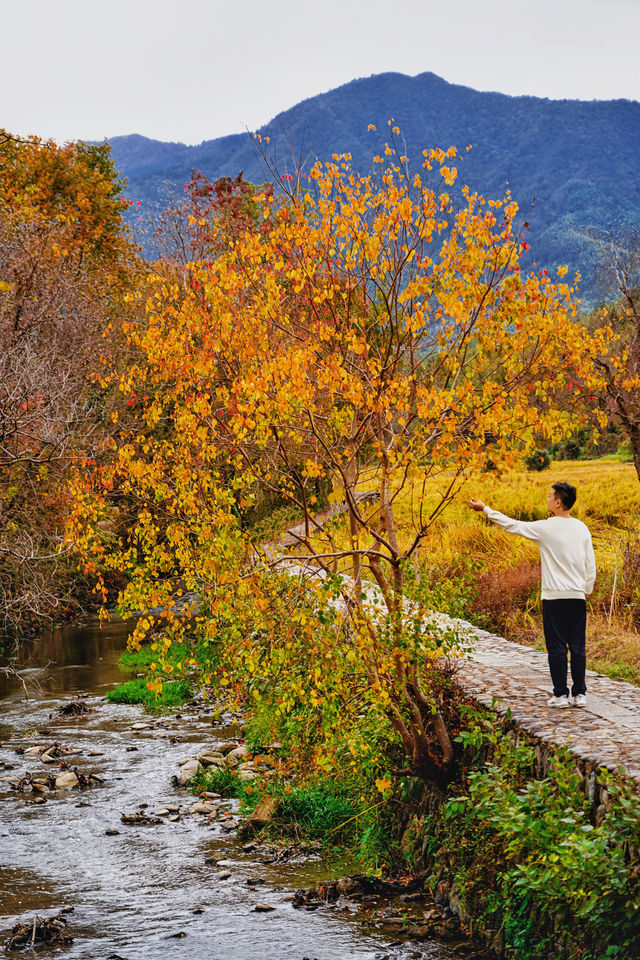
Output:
(140, 819)
(188, 770)
(67, 780)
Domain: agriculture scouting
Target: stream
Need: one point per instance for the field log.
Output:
(145, 891)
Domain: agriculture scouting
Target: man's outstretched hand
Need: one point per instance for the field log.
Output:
(477, 505)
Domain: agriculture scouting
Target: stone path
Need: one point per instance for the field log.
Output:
(606, 733)
(293, 535)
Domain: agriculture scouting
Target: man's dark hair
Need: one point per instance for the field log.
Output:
(565, 492)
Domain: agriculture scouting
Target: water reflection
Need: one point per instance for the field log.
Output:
(67, 660)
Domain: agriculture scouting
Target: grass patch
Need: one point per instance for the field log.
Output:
(343, 819)
(135, 691)
(317, 811)
(222, 780)
(623, 454)
(143, 658)
(627, 672)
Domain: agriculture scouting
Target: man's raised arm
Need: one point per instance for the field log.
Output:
(521, 528)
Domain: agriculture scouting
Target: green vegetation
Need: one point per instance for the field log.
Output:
(222, 780)
(177, 658)
(539, 460)
(623, 454)
(341, 816)
(535, 857)
(143, 658)
(616, 669)
(136, 691)
(318, 810)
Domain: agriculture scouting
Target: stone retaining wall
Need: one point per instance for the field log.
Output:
(512, 683)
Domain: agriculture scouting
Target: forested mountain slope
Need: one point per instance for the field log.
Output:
(577, 161)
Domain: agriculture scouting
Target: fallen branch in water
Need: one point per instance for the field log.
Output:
(49, 930)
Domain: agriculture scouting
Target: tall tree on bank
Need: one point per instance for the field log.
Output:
(64, 262)
(618, 329)
(367, 331)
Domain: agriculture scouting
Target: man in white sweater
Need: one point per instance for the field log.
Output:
(568, 573)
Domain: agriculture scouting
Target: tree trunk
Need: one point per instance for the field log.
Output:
(634, 438)
(351, 476)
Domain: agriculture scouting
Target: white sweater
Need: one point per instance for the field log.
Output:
(566, 553)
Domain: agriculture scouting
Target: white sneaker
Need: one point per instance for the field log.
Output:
(580, 700)
(562, 702)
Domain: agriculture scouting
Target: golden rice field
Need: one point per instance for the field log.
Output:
(503, 568)
(608, 502)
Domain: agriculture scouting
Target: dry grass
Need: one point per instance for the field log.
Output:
(615, 650)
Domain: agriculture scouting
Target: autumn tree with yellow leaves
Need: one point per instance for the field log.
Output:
(65, 264)
(366, 334)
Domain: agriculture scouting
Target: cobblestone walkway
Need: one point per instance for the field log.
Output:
(606, 733)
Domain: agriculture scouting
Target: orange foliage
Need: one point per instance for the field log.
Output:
(358, 331)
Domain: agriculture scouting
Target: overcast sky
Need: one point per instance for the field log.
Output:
(192, 71)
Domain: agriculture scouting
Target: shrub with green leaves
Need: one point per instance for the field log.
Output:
(527, 855)
(222, 780)
(539, 460)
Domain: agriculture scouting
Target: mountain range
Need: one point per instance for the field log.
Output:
(572, 165)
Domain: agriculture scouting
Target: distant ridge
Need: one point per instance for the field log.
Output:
(579, 160)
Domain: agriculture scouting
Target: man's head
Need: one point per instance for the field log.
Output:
(562, 496)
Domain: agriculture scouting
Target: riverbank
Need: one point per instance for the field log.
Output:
(505, 851)
(404, 827)
(533, 851)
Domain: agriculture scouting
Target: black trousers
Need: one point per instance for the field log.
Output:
(565, 624)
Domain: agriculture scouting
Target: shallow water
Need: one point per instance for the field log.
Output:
(134, 894)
